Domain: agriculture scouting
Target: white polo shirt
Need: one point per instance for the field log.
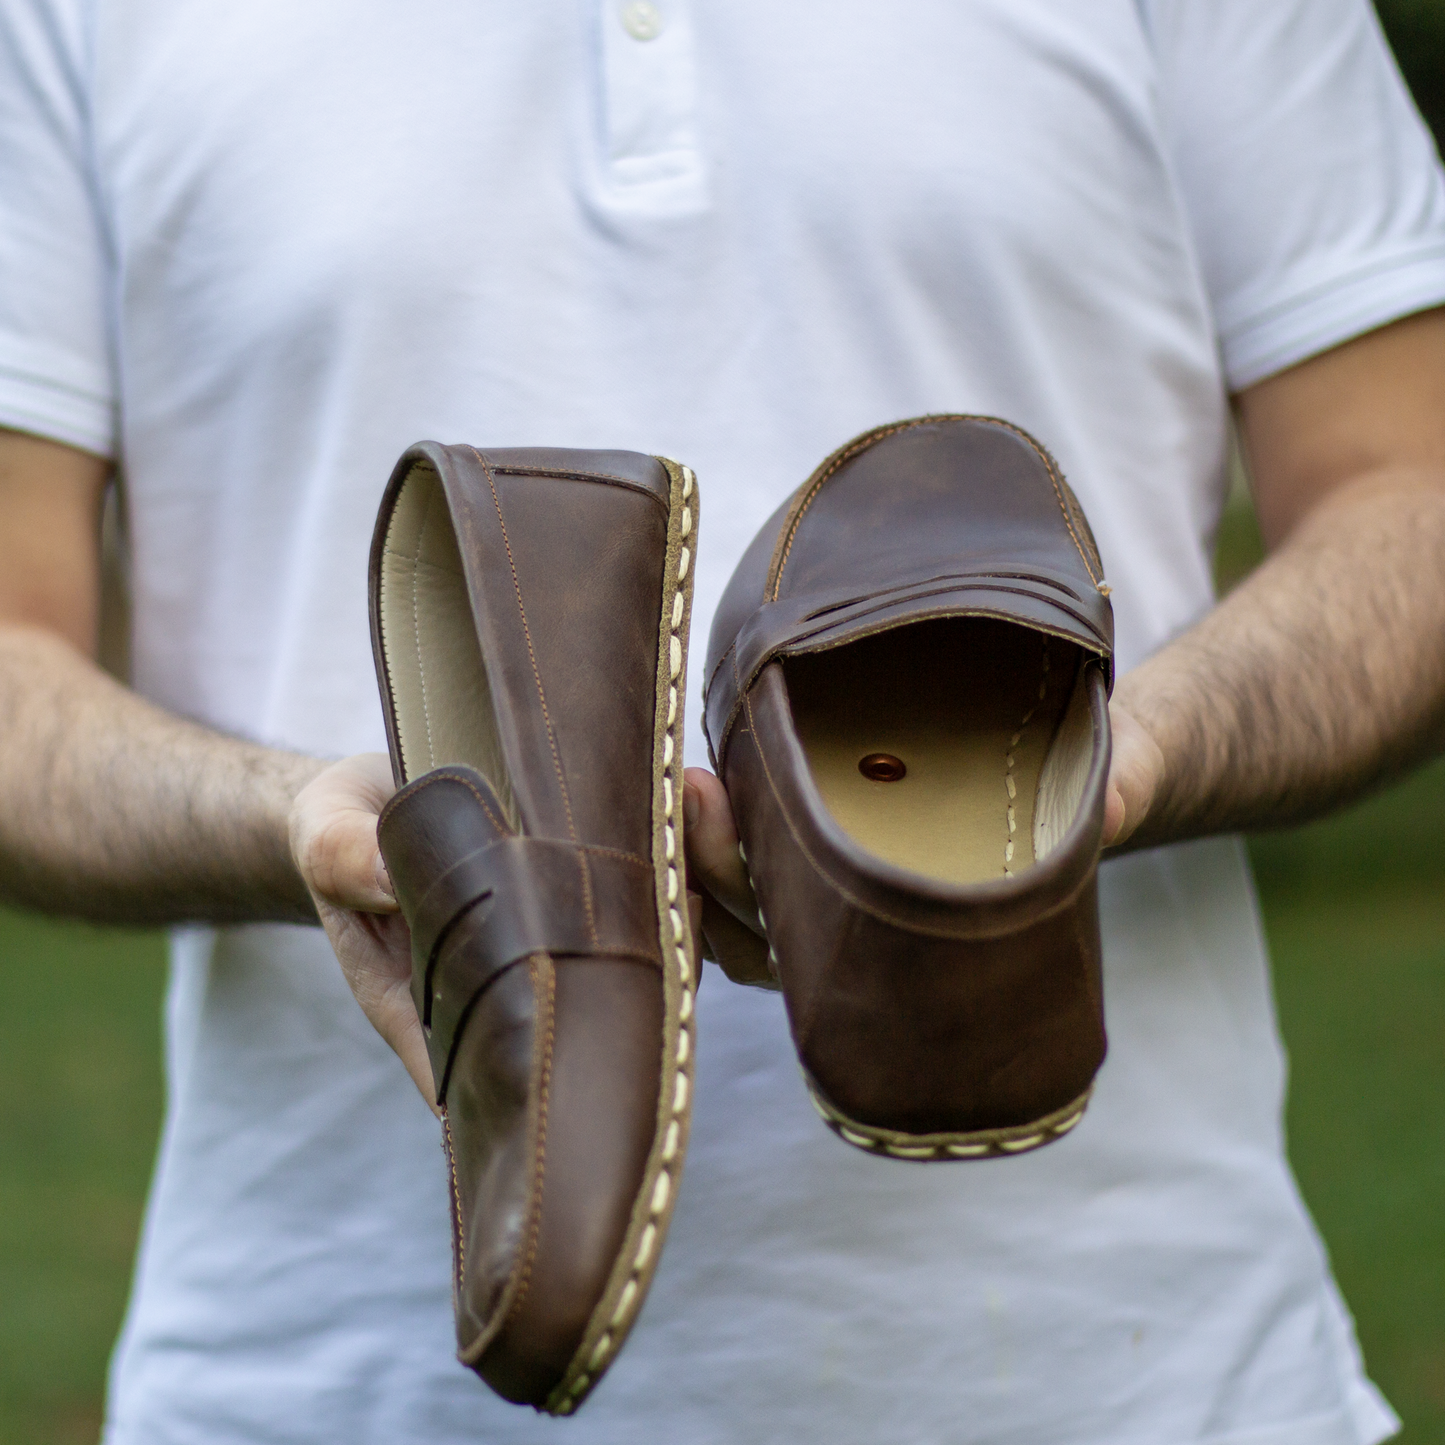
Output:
(254, 251)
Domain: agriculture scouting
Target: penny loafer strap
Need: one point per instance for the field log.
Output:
(509, 901)
(521, 896)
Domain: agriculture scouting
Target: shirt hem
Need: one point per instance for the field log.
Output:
(1364, 1419)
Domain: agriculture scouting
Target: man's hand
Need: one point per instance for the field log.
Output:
(333, 839)
(1136, 772)
(710, 839)
(1323, 673)
(724, 915)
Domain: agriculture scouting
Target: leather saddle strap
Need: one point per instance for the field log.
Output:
(513, 899)
(538, 895)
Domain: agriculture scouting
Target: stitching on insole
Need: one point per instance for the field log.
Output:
(1010, 786)
(431, 758)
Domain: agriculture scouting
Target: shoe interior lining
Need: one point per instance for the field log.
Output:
(991, 723)
(434, 666)
(1064, 773)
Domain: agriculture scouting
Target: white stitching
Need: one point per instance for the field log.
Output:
(644, 1253)
(1010, 786)
(629, 1290)
(662, 1189)
(875, 1141)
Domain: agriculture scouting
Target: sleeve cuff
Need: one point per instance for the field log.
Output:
(77, 418)
(1331, 310)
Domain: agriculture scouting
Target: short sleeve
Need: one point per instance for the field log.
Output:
(1312, 186)
(55, 355)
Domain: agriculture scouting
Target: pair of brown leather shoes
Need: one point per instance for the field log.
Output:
(907, 700)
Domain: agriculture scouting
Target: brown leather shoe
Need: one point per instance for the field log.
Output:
(907, 699)
(529, 617)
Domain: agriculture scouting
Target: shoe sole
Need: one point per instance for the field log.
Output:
(929, 1148)
(637, 1260)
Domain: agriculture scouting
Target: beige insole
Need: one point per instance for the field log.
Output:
(438, 680)
(970, 706)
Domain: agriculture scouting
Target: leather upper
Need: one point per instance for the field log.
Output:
(986, 527)
(522, 604)
(561, 551)
(475, 910)
(933, 1019)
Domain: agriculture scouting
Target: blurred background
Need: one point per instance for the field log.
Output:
(1355, 911)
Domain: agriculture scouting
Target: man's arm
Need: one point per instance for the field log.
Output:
(1321, 675)
(115, 810)
(110, 808)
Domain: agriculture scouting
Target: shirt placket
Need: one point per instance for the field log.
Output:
(653, 155)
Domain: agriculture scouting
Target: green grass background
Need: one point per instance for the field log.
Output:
(1355, 910)
(80, 1104)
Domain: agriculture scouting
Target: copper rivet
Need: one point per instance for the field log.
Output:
(882, 767)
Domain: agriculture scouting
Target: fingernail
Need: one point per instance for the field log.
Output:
(383, 878)
(691, 806)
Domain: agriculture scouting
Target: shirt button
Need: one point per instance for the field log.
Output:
(642, 20)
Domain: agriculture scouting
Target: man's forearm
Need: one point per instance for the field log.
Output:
(1320, 676)
(114, 810)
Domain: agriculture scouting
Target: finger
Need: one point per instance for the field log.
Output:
(375, 957)
(694, 921)
(741, 952)
(710, 837)
(405, 1035)
(1136, 772)
(333, 834)
(1115, 814)
(393, 1015)
(340, 861)
(363, 780)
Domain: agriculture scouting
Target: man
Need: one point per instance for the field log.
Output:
(248, 255)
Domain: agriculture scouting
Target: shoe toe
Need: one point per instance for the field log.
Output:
(598, 1044)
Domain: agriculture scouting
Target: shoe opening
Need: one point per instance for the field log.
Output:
(437, 680)
(957, 748)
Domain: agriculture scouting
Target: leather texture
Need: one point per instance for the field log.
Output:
(529, 610)
(938, 573)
